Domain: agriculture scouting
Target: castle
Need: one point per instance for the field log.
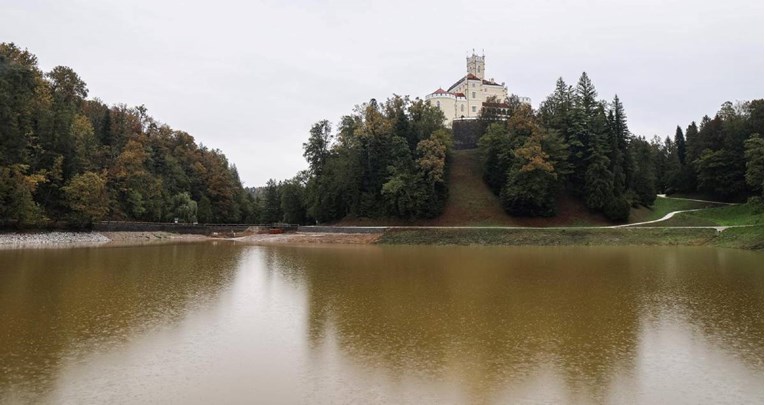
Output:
(466, 98)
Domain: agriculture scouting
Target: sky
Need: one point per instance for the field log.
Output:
(250, 78)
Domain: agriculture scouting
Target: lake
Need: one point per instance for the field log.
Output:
(220, 322)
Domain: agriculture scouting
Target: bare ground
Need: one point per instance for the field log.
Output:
(310, 238)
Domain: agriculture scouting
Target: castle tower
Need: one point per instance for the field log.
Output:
(475, 65)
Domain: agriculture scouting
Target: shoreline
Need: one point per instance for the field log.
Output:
(746, 237)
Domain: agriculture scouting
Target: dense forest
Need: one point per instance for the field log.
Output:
(67, 158)
(391, 159)
(64, 157)
(385, 160)
(580, 145)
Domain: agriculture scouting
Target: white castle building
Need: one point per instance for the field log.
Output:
(471, 93)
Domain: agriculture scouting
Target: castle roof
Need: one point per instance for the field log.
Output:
(471, 76)
(442, 92)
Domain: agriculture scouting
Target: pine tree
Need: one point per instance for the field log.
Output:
(619, 136)
(680, 145)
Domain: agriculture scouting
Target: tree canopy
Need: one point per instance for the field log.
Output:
(66, 157)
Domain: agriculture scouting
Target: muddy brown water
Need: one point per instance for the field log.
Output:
(219, 322)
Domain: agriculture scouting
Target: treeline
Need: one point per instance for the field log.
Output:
(385, 160)
(582, 146)
(722, 157)
(65, 157)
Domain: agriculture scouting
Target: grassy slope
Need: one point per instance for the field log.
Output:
(550, 237)
(471, 202)
(662, 207)
(744, 214)
(750, 237)
(743, 238)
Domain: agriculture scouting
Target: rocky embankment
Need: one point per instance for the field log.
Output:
(67, 239)
(48, 239)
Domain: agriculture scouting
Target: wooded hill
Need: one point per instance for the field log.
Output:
(582, 146)
(65, 157)
(388, 161)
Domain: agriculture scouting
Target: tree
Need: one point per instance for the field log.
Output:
(87, 198)
(293, 200)
(16, 195)
(754, 163)
(496, 155)
(531, 184)
(184, 208)
(680, 145)
(50, 133)
(316, 150)
(272, 211)
(599, 183)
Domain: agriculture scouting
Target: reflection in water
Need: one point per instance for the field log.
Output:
(197, 323)
(59, 305)
(489, 318)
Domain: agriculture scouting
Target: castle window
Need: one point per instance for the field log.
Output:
(438, 103)
(473, 94)
(473, 108)
(462, 107)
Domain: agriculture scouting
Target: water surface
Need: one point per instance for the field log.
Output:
(228, 323)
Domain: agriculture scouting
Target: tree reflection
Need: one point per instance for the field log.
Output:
(61, 305)
(491, 316)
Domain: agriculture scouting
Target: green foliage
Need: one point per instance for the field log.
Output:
(599, 184)
(390, 160)
(16, 195)
(184, 208)
(529, 193)
(680, 145)
(272, 208)
(496, 151)
(87, 198)
(316, 150)
(754, 163)
(293, 200)
(643, 184)
(49, 128)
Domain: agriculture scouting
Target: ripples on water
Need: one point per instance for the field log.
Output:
(220, 323)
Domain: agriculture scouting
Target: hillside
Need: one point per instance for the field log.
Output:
(471, 202)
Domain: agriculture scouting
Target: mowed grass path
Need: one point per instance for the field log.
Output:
(471, 202)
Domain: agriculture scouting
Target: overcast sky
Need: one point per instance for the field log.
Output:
(250, 78)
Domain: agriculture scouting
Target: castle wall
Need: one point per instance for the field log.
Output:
(475, 91)
(447, 104)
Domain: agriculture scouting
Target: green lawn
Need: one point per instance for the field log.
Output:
(748, 237)
(744, 214)
(663, 206)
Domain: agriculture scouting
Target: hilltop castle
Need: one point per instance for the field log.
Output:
(471, 93)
